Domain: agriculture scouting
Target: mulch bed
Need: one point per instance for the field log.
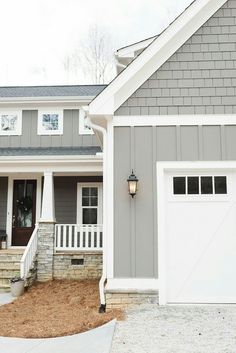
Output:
(55, 308)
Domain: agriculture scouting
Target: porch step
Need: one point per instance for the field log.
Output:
(4, 289)
(9, 267)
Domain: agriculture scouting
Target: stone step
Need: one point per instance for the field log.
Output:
(9, 266)
(4, 288)
(9, 273)
(5, 257)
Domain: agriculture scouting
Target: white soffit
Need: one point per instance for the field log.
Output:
(154, 56)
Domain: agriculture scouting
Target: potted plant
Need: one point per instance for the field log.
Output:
(17, 285)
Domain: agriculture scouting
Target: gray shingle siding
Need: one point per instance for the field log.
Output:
(200, 78)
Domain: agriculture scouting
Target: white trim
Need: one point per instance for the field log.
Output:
(83, 128)
(170, 120)
(110, 200)
(129, 50)
(79, 201)
(162, 168)
(57, 165)
(18, 130)
(11, 179)
(129, 284)
(42, 130)
(154, 56)
(46, 100)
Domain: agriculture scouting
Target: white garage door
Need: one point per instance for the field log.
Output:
(201, 237)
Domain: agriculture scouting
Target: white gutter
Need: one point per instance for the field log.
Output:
(102, 308)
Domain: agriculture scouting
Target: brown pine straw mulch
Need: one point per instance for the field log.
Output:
(55, 308)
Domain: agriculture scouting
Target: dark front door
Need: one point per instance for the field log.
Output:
(24, 207)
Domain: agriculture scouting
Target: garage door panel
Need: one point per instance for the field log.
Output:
(200, 250)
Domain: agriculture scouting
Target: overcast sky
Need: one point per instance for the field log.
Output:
(37, 35)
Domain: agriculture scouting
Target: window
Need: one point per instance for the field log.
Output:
(11, 123)
(84, 129)
(179, 185)
(50, 122)
(220, 185)
(193, 185)
(89, 207)
(205, 185)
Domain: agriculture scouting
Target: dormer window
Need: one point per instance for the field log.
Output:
(84, 129)
(50, 122)
(10, 123)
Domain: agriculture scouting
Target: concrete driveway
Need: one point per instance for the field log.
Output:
(94, 341)
(177, 329)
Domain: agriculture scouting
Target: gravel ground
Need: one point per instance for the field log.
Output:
(177, 329)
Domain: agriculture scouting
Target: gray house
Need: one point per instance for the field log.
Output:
(167, 125)
(170, 117)
(50, 173)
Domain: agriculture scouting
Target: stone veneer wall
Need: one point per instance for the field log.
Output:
(127, 299)
(90, 269)
(45, 251)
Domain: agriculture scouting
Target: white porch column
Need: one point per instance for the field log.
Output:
(48, 203)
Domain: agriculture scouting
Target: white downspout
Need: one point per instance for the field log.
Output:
(102, 308)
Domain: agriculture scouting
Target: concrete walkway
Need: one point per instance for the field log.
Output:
(6, 298)
(95, 341)
(177, 329)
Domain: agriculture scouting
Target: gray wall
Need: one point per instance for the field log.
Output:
(29, 137)
(3, 202)
(66, 196)
(135, 220)
(200, 78)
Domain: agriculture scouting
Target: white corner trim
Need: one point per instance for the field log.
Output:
(42, 130)
(155, 55)
(137, 284)
(110, 200)
(172, 120)
(162, 168)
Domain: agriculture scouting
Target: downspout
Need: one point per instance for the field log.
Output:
(102, 307)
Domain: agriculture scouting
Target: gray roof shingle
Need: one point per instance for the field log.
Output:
(50, 151)
(51, 91)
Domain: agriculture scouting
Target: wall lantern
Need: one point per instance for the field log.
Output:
(132, 184)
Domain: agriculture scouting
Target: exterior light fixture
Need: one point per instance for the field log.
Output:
(132, 184)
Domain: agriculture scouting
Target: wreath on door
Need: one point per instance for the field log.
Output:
(25, 204)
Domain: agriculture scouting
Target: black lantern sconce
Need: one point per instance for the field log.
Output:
(132, 184)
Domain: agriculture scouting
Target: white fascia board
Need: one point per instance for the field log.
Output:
(46, 99)
(129, 51)
(154, 56)
(57, 165)
(170, 120)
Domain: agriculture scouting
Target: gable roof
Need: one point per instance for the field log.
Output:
(153, 57)
(86, 91)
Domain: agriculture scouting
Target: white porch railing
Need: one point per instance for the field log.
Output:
(83, 237)
(29, 254)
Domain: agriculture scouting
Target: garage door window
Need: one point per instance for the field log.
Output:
(195, 185)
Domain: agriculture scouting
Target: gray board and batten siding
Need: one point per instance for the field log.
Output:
(66, 196)
(30, 138)
(200, 78)
(135, 220)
